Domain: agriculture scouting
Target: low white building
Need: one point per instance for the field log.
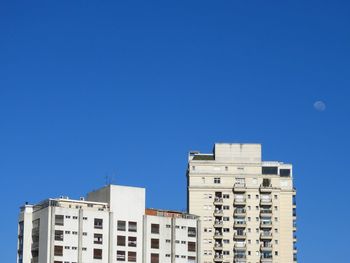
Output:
(111, 225)
(170, 236)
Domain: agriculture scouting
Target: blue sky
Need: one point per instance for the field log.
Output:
(127, 88)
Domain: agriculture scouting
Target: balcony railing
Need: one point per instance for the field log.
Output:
(239, 200)
(266, 224)
(266, 235)
(218, 246)
(266, 201)
(218, 258)
(240, 256)
(240, 235)
(266, 246)
(218, 212)
(265, 188)
(239, 224)
(266, 258)
(218, 200)
(266, 211)
(218, 223)
(239, 187)
(240, 246)
(240, 211)
(218, 235)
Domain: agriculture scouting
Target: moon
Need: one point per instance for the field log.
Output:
(320, 105)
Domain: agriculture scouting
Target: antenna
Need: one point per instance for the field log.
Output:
(109, 178)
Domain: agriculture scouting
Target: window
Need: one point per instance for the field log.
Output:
(191, 259)
(120, 240)
(217, 180)
(191, 246)
(154, 228)
(266, 182)
(97, 238)
(226, 196)
(131, 256)
(132, 241)
(120, 255)
(154, 258)
(154, 243)
(270, 170)
(58, 251)
(226, 207)
(121, 225)
(285, 172)
(58, 235)
(98, 223)
(97, 253)
(59, 220)
(132, 226)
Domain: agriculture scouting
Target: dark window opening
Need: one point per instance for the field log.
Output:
(270, 170)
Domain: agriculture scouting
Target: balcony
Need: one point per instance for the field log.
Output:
(240, 235)
(266, 259)
(218, 235)
(239, 188)
(218, 201)
(240, 212)
(218, 223)
(266, 224)
(266, 201)
(265, 212)
(295, 250)
(240, 256)
(265, 188)
(295, 238)
(218, 246)
(239, 201)
(218, 212)
(218, 258)
(266, 235)
(240, 224)
(266, 247)
(35, 246)
(240, 246)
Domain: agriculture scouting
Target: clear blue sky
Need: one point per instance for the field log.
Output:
(96, 88)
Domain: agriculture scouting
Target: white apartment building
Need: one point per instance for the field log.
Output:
(170, 237)
(246, 205)
(110, 225)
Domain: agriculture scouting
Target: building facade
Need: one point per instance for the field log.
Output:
(170, 237)
(246, 205)
(110, 225)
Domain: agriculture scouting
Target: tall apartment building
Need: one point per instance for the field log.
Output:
(110, 225)
(246, 205)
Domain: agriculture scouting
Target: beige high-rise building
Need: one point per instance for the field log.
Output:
(246, 205)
